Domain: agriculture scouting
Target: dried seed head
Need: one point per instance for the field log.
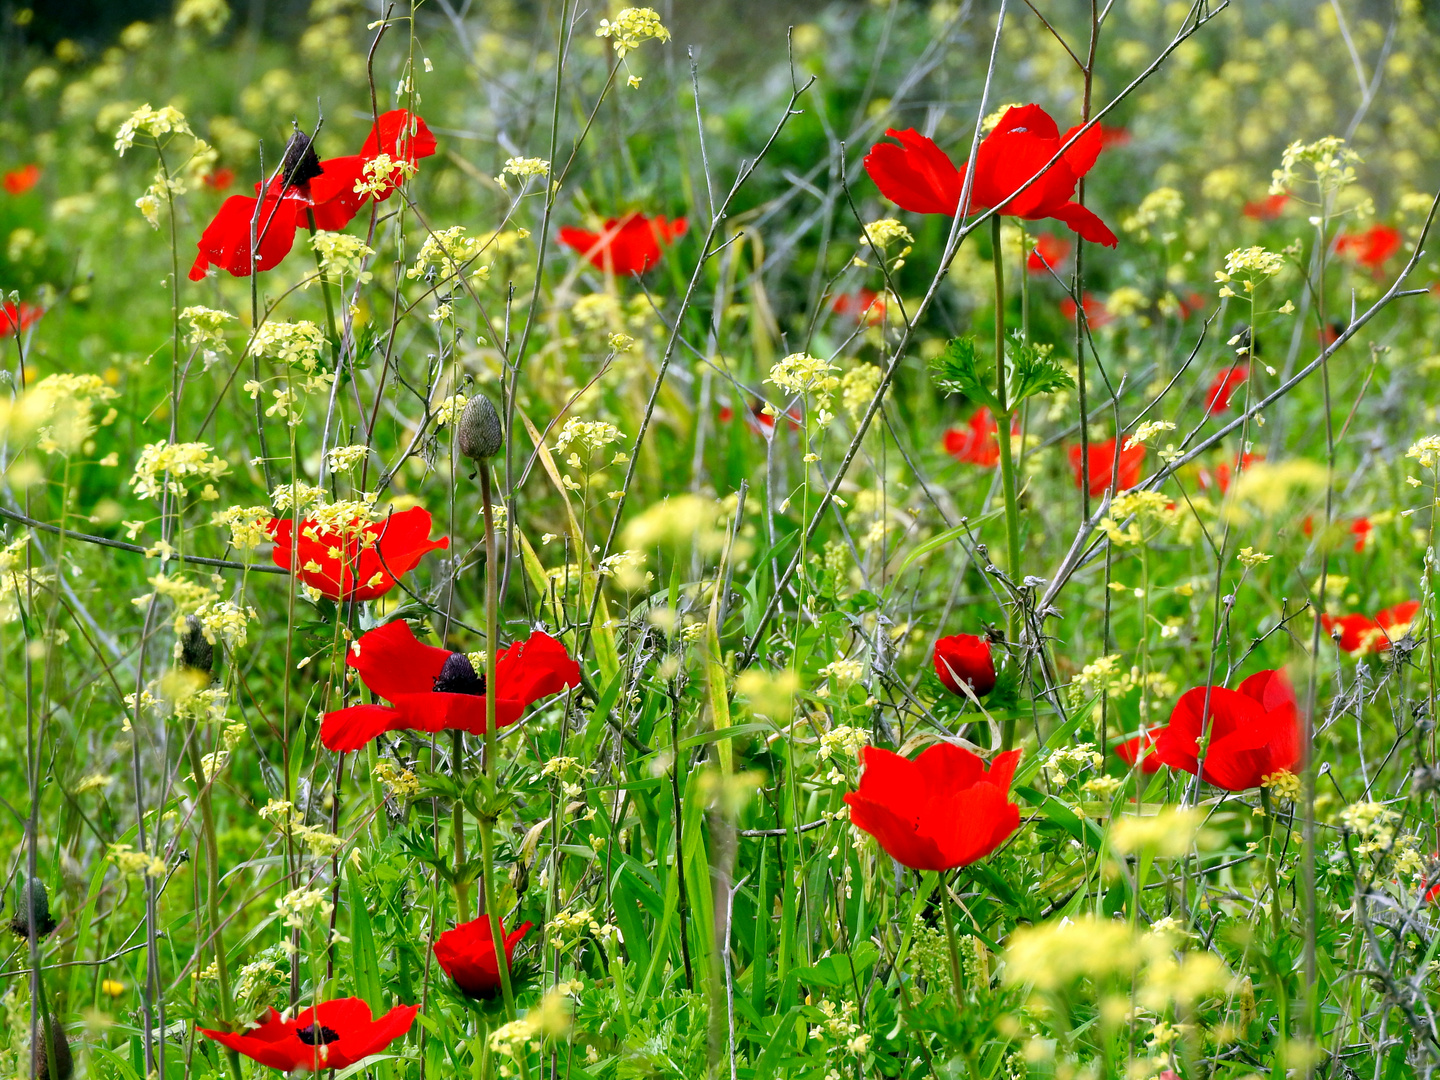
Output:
(196, 653)
(301, 164)
(34, 907)
(479, 434)
(63, 1065)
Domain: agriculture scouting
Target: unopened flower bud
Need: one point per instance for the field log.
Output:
(479, 434)
(34, 908)
(300, 164)
(196, 653)
(59, 1067)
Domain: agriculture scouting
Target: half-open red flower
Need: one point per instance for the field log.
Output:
(942, 810)
(18, 181)
(976, 443)
(1360, 634)
(965, 658)
(467, 954)
(918, 176)
(625, 246)
(1372, 248)
(17, 318)
(1141, 749)
(431, 689)
(1102, 466)
(1253, 732)
(1225, 383)
(361, 561)
(332, 1035)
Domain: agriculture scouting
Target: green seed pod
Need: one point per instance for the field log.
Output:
(479, 434)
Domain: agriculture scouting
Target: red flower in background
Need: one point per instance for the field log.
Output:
(1371, 248)
(965, 658)
(18, 319)
(1102, 466)
(919, 177)
(467, 955)
(1049, 252)
(364, 562)
(1360, 634)
(18, 181)
(1360, 528)
(865, 306)
(219, 179)
(1268, 208)
(1253, 731)
(1096, 314)
(1223, 385)
(332, 1035)
(1223, 474)
(1191, 304)
(1113, 136)
(434, 689)
(976, 443)
(942, 810)
(628, 245)
(1141, 748)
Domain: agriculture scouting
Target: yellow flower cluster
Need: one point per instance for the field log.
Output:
(151, 122)
(342, 256)
(173, 467)
(450, 251)
(246, 524)
(207, 326)
(631, 27)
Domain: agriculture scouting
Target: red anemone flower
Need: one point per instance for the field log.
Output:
(975, 443)
(1096, 313)
(917, 176)
(1371, 248)
(18, 318)
(942, 810)
(1253, 731)
(1360, 634)
(965, 658)
(628, 245)
(1141, 748)
(1268, 208)
(362, 561)
(434, 689)
(18, 181)
(332, 1035)
(865, 306)
(467, 953)
(1050, 251)
(1102, 466)
(1226, 381)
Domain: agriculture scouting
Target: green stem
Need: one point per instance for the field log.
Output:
(1271, 874)
(457, 828)
(1007, 461)
(324, 283)
(956, 979)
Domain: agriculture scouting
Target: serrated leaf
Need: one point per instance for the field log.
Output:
(1030, 370)
(959, 370)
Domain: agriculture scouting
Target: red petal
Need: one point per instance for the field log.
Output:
(895, 834)
(530, 670)
(350, 729)
(393, 662)
(917, 175)
(1081, 156)
(392, 132)
(1086, 223)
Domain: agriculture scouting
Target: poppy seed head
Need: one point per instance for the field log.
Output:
(63, 1065)
(34, 908)
(479, 434)
(196, 653)
(300, 165)
(458, 677)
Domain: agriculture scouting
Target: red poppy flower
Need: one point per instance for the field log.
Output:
(18, 181)
(18, 318)
(467, 953)
(1360, 528)
(1223, 474)
(942, 810)
(219, 179)
(1190, 305)
(1360, 634)
(965, 658)
(1102, 466)
(226, 240)
(976, 443)
(1223, 385)
(400, 134)
(1096, 313)
(1371, 248)
(1050, 251)
(628, 245)
(1253, 731)
(917, 176)
(434, 689)
(364, 562)
(332, 1035)
(865, 306)
(1268, 208)
(1141, 747)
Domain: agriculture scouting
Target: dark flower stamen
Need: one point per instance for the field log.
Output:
(458, 677)
(315, 1035)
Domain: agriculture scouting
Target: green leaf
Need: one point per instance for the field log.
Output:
(958, 370)
(1031, 369)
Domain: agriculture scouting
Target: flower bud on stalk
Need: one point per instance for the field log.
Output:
(34, 907)
(300, 164)
(196, 653)
(62, 1066)
(479, 434)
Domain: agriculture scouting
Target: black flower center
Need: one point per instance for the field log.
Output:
(458, 677)
(315, 1035)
